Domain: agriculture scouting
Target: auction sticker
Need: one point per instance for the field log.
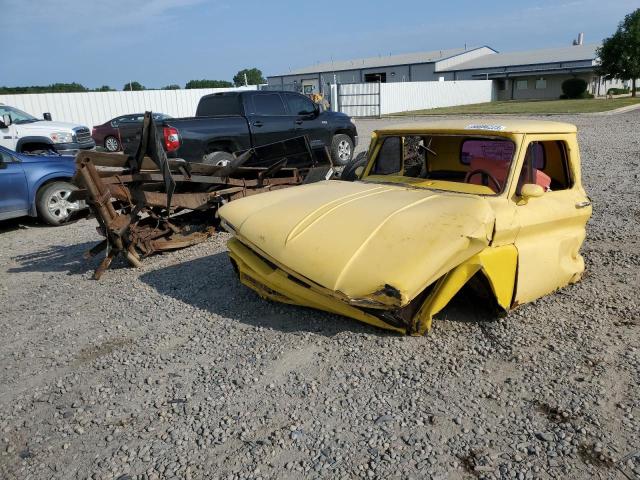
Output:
(479, 126)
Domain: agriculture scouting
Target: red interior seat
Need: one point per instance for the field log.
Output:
(498, 168)
(542, 179)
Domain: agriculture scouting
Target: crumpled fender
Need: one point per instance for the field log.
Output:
(499, 266)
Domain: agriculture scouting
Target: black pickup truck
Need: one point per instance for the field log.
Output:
(234, 121)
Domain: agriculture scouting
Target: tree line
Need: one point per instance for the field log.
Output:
(252, 76)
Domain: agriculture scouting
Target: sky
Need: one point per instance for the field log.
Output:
(162, 42)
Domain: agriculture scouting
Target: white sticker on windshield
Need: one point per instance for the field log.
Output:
(493, 128)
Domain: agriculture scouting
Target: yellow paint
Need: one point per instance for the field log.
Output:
(358, 248)
(256, 274)
(499, 267)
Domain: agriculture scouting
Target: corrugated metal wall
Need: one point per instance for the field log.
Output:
(95, 108)
(408, 96)
(359, 99)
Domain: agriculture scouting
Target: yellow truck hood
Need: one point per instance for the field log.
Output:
(366, 241)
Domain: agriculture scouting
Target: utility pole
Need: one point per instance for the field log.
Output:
(246, 82)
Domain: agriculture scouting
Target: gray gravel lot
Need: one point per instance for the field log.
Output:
(177, 371)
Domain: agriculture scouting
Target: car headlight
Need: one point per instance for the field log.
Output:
(61, 137)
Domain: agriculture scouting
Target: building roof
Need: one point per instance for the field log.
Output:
(471, 125)
(573, 53)
(381, 61)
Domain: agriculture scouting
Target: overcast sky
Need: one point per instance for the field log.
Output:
(160, 42)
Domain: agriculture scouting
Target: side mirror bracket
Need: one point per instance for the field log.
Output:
(528, 191)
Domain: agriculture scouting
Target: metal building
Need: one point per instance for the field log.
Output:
(409, 67)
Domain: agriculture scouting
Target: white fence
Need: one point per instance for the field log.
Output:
(407, 96)
(372, 99)
(95, 108)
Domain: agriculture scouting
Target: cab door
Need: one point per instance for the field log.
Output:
(269, 120)
(14, 192)
(8, 134)
(552, 226)
(307, 121)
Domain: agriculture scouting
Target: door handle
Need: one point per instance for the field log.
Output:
(258, 123)
(584, 204)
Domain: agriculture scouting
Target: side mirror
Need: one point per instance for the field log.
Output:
(47, 116)
(6, 121)
(316, 109)
(531, 190)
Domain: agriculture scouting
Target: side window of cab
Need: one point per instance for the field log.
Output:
(389, 159)
(546, 164)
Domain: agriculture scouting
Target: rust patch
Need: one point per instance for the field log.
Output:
(145, 204)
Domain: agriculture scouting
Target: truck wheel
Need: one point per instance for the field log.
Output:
(112, 144)
(341, 149)
(219, 159)
(52, 202)
(349, 172)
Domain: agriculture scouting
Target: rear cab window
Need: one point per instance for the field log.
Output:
(219, 105)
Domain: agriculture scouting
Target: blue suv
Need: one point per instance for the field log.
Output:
(37, 185)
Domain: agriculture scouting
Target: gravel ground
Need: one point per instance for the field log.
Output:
(177, 371)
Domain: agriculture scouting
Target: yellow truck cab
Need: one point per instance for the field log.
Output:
(435, 205)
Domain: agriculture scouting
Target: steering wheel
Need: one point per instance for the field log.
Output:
(485, 175)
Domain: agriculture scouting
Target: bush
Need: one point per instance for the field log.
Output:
(574, 87)
(617, 91)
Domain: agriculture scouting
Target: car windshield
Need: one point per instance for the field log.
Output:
(17, 116)
(468, 164)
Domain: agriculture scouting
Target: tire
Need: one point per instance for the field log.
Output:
(112, 144)
(341, 149)
(51, 203)
(220, 159)
(349, 172)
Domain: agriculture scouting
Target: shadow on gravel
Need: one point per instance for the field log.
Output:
(57, 258)
(22, 223)
(210, 284)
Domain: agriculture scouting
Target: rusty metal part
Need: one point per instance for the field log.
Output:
(147, 203)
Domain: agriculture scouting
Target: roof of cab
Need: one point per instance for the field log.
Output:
(485, 125)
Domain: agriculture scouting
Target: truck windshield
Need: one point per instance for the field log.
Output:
(450, 162)
(17, 116)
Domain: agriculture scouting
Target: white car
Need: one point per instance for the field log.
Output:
(25, 133)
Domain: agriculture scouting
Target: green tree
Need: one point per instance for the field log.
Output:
(53, 88)
(620, 53)
(133, 86)
(208, 84)
(105, 88)
(253, 75)
(173, 86)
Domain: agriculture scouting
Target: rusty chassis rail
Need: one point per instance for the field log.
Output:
(147, 203)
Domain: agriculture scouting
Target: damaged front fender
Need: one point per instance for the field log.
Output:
(498, 264)
(383, 308)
